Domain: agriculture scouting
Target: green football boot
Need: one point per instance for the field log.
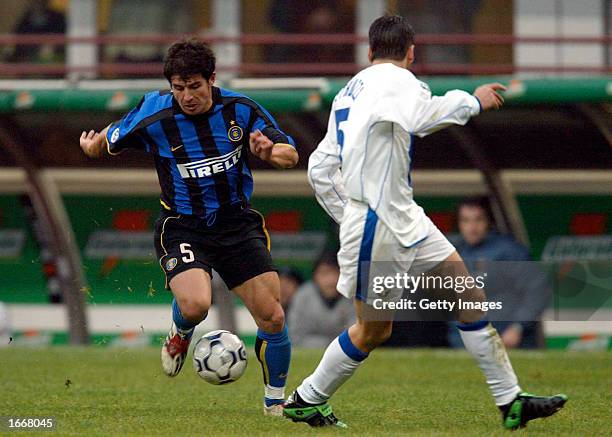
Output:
(526, 407)
(298, 410)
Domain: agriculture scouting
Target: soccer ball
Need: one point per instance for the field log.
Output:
(219, 357)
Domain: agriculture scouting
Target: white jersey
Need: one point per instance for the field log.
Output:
(366, 155)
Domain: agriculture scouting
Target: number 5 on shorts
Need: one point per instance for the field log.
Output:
(186, 250)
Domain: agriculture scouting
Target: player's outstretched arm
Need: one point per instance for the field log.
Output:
(278, 155)
(93, 143)
(456, 107)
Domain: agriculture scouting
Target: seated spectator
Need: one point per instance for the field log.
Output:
(523, 290)
(318, 312)
(39, 18)
(154, 17)
(428, 19)
(314, 17)
(290, 281)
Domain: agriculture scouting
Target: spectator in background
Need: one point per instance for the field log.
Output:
(429, 18)
(144, 17)
(312, 17)
(39, 18)
(318, 312)
(290, 281)
(523, 290)
(5, 326)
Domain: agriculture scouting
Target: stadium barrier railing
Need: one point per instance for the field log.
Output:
(136, 69)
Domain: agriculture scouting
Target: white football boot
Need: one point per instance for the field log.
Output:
(174, 352)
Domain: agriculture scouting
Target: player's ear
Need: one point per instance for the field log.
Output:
(410, 55)
(370, 55)
(211, 81)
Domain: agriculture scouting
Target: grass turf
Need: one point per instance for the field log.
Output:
(408, 392)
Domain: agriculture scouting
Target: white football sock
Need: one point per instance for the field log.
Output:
(483, 342)
(272, 394)
(338, 364)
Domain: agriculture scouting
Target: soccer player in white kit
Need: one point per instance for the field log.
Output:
(360, 173)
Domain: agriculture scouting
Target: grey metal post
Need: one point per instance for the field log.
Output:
(226, 22)
(367, 11)
(81, 22)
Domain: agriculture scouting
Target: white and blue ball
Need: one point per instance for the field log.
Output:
(219, 357)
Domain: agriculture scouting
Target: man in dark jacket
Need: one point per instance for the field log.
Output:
(511, 279)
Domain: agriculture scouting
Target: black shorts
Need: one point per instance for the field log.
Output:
(237, 245)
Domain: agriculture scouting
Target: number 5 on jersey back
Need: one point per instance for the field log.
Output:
(341, 115)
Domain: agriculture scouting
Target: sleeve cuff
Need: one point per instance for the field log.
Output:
(476, 106)
(111, 132)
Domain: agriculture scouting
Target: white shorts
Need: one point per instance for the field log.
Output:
(368, 250)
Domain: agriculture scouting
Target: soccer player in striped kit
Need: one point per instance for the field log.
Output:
(199, 136)
(360, 173)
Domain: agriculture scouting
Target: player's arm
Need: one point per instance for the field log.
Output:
(325, 177)
(454, 108)
(117, 136)
(93, 143)
(268, 142)
(279, 155)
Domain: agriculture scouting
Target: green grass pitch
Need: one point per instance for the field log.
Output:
(396, 392)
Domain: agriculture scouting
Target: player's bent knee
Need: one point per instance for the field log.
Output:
(273, 321)
(194, 309)
(192, 292)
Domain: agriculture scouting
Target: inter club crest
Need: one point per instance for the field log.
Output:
(235, 132)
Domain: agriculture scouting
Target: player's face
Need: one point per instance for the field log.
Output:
(193, 94)
(473, 224)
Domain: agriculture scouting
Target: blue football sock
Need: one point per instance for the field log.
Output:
(274, 353)
(185, 327)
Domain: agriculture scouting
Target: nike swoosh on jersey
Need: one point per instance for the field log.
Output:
(174, 149)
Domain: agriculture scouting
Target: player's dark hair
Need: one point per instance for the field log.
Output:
(188, 58)
(390, 37)
(481, 202)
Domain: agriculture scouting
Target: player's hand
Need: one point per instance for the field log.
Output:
(489, 96)
(512, 336)
(88, 143)
(261, 146)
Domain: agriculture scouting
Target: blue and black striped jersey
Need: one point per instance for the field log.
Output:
(201, 160)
